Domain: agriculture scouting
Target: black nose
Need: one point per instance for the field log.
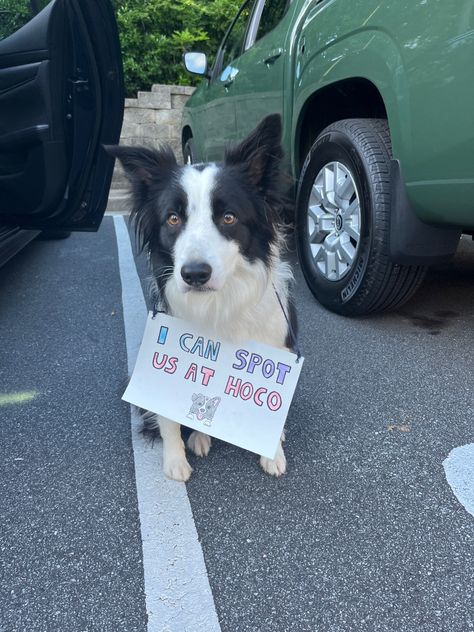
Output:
(196, 273)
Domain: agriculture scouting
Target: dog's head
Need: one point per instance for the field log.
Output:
(211, 407)
(204, 407)
(205, 220)
(199, 401)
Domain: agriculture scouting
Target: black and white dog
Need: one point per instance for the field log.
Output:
(213, 238)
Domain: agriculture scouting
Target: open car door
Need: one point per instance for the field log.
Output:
(61, 98)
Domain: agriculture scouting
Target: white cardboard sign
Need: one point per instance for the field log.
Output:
(239, 393)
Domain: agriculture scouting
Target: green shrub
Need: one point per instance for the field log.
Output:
(13, 15)
(154, 35)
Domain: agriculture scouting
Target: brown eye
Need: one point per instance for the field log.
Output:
(229, 219)
(173, 220)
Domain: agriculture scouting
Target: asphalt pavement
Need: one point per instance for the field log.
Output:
(364, 533)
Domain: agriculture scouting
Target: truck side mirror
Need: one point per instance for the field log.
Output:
(196, 63)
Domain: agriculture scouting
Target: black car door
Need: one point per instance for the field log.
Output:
(61, 98)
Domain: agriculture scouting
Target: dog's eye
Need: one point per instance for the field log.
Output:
(173, 219)
(229, 219)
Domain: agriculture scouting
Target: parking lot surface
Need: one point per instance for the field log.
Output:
(364, 533)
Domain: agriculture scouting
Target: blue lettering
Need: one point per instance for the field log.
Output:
(241, 355)
(212, 350)
(268, 368)
(198, 346)
(283, 369)
(255, 360)
(163, 333)
(182, 340)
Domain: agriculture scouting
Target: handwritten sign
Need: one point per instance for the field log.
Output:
(240, 393)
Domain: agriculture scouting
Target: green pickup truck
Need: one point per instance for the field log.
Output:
(377, 104)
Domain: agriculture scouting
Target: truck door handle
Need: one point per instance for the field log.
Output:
(228, 76)
(271, 59)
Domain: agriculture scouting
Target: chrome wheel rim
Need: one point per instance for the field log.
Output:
(334, 221)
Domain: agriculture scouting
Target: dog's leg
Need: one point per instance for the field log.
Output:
(199, 443)
(276, 466)
(175, 465)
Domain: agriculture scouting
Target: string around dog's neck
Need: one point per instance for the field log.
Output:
(156, 310)
(293, 338)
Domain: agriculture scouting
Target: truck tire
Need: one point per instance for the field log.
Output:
(343, 221)
(188, 152)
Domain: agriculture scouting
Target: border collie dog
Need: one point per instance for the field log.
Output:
(213, 239)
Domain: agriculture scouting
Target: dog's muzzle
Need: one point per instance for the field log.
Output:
(196, 273)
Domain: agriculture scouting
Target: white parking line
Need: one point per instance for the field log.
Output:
(178, 595)
(459, 470)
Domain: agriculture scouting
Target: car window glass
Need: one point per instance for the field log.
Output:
(235, 38)
(16, 13)
(272, 13)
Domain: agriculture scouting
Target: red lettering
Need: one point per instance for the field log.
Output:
(191, 372)
(172, 365)
(159, 365)
(207, 373)
(274, 401)
(233, 384)
(246, 391)
(258, 393)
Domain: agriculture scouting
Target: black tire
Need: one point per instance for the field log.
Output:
(188, 152)
(372, 282)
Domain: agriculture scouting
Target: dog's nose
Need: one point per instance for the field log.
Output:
(196, 273)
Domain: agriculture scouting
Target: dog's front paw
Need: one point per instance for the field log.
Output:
(199, 443)
(178, 469)
(276, 466)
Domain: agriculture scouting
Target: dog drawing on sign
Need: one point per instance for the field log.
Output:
(203, 408)
(213, 236)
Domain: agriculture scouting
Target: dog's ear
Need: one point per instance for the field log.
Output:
(260, 153)
(143, 164)
(148, 171)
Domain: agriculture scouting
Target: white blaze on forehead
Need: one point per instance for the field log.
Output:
(200, 240)
(193, 243)
(198, 186)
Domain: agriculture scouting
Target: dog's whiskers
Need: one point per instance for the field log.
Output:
(166, 273)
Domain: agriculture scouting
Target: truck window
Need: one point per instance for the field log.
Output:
(235, 38)
(272, 13)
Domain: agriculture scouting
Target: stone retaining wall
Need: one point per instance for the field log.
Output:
(150, 119)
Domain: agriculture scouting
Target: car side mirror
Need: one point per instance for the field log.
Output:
(196, 63)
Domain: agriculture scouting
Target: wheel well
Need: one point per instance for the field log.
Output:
(186, 134)
(351, 98)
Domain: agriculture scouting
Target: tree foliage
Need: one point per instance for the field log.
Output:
(155, 34)
(15, 13)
